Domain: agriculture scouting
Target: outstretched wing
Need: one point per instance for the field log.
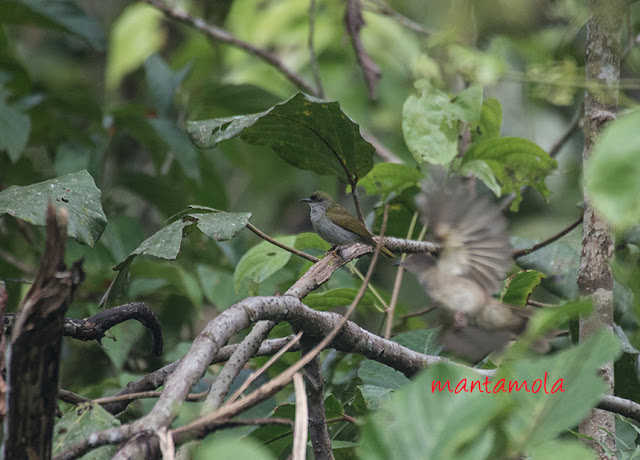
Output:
(471, 230)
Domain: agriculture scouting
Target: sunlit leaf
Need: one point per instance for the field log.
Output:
(386, 179)
(262, 261)
(76, 192)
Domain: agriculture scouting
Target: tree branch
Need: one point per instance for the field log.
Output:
(221, 35)
(523, 252)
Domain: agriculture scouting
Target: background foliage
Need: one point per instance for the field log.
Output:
(97, 105)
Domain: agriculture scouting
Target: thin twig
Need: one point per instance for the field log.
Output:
(263, 369)
(353, 22)
(266, 237)
(386, 10)
(383, 152)
(221, 35)
(312, 53)
(535, 247)
(20, 265)
(574, 125)
(398, 282)
(356, 202)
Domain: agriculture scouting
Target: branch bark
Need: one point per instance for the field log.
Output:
(595, 277)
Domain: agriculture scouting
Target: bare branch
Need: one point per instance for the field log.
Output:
(353, 22)
(302, 419)
(266, 237)
(221, 35)
(312, 53)
(523, 252)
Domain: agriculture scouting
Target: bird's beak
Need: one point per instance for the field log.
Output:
(306, 200)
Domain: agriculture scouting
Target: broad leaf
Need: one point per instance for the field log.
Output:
(519, 287)
(75, 192)
(181, 147)
(390, 179)
(166, 242)
(262, 261)
(78, 424)
(58, 14)
(15, 127)
(135, 36)
(514, 162)
(337, 298)
(431, 122)
(490, 121)
(612, 175)
(306, 132)
(163, 82)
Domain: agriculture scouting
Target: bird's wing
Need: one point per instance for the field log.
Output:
(342, 217)
(471, 230)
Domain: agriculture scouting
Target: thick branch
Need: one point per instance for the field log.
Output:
(35, 348)
(595, 277)
(94, 328)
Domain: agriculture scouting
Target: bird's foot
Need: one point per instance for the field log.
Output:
(459, 320)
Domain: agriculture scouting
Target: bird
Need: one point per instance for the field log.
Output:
(336, 225)
(474, 257)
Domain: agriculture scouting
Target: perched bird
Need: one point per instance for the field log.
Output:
(335, 225)
(475, 256)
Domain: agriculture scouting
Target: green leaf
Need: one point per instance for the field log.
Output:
(58, 14)
(441, 425)
(162, 82)
(514, 162)
(423, 341)
(431, 122)
(490, 121)
(238, 449)
(337, 298)
(311, 241)
(181, 147)
(307, 133)
(75, 192)
(15, 127)
(379, 382)
(166, 242)
(222, 226)
(559, 261)
(390, 179)
(217, 285)
(519, 287)
(135, 35)
(561, 448)
(126, 336)
(78, 424)
(547, 413)
(612, 174)
(262, 261)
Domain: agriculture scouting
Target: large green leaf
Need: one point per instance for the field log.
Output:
(181, 147)
(490, 121)
(420, 423)
(390, 179)
(306, 132)
(262, 261)
(58, 14)
(15, 127)
(514, 162)
(431, 122)
(612, 174)
(549, 413)
(135, 36)
(519, 287)
(78, 424)
(166, 242)
(75, 192)
(163, 82)
(339, 297)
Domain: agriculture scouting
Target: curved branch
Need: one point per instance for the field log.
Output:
(266, 237)
(94, 328)
(221, 35)
(523, 252)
